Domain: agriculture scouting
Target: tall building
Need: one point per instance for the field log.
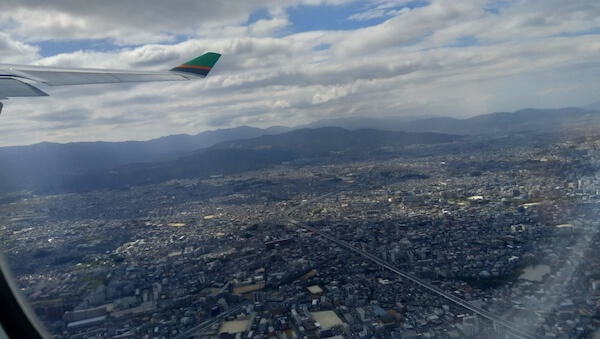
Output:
(259, 297)
(222, 304)
(470, 325)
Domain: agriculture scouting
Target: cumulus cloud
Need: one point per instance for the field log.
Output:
(439, 57)
(408, 26)
(134, 22)
(13, 51)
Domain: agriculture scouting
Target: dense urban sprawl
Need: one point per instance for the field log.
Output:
(509, 225)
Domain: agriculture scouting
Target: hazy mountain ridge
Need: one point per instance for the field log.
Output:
(525, 119)
(60, 165)
(203, 165)
(321, 141)
(103, 154)
(499, 122)
(225, 158)
(360, 122)
(593, 106)
(39, 164)
(244, 155)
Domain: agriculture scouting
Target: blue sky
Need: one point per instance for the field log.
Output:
(49, 48)
(303, 18)
(329, 17)
(292, 62)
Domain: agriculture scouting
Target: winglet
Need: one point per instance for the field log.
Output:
(200, 66)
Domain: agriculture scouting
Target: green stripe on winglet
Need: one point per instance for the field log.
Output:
(206, 60)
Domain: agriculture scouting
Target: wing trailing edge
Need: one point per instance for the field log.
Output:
(15, 80)
(11, 87)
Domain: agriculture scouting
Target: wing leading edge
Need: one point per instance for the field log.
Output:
(15, 79)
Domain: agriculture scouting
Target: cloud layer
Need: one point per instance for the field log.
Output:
(401, 58)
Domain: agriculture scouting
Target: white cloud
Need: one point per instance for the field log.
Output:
(524, 53)
(265, 27)
(13, 51)
(408, 26)
(383, 8)
(134, 22)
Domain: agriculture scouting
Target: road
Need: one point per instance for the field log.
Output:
(511, 328)
(192, 331)
(483, 313)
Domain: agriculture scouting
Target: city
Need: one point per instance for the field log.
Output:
(300, 169)
(369, 245)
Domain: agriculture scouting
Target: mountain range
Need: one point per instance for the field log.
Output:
(50, 168)
(330, 140)
(542, 120)
(90, 165)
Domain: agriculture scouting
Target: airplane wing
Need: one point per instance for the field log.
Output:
(16, 80)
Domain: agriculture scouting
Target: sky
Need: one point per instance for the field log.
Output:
(293, 62)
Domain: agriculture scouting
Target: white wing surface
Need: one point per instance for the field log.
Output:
(19, 80)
